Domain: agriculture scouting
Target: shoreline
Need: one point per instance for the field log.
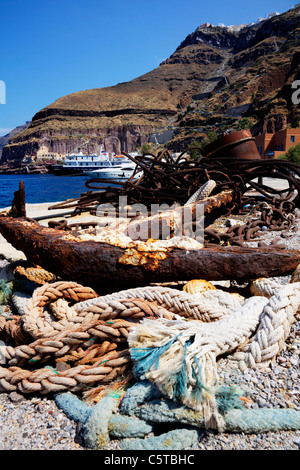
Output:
(40, 213)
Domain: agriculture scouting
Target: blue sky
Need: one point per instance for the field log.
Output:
(51, 48)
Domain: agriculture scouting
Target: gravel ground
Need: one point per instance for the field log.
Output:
(35, 423)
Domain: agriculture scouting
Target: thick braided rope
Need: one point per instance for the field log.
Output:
(178, 301)
(104, 368)
(34, 274)
(38, 323)
(264, 286)
(212, 303)
(276, 320)
(188, 351)
(203, 192)
(209, 306)
(19, 300)
(47, 380)
(57, 338)
(270, 319)
(6, 273)
(34, 322)
(73, 331)
(108, 323)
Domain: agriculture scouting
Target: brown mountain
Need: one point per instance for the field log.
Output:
(218, 78)
(4, 140)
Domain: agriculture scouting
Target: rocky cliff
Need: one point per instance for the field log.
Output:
(216, 79)
(4, 140)
(251, 87)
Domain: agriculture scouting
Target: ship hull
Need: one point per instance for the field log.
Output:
(61, 171)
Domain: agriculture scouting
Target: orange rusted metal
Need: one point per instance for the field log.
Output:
(147, 259)
(108, 267)
(238, 145)
(165, 223)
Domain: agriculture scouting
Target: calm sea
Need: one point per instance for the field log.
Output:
(42, 188)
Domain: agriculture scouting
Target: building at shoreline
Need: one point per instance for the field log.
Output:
(43, 153)
(272, 145)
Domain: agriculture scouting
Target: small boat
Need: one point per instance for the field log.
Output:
(118, 172)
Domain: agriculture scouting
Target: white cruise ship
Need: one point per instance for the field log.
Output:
(79, 163)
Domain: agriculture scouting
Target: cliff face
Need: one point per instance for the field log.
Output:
(251, 87)
(4, 140)
(212, 80)
(121, 117)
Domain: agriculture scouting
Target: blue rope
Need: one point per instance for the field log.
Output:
(180, 379)
(5, 291)
(145, 358)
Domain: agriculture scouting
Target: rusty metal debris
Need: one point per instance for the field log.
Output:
(164, 224)
(238, 145)
(18, 208)
(232, 162)
(110, 267)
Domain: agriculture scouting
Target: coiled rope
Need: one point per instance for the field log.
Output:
(91, 330)
(187, 353)
(204, 191)
(170, 337)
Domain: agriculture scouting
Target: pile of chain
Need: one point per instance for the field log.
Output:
(265, 216)
(165, 180)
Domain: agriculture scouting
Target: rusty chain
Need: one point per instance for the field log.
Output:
(167, 181)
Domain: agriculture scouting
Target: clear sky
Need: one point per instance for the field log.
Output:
(50, 48)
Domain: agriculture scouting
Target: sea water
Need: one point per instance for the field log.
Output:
(42, 188)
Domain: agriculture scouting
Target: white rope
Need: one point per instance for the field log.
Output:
(7, 272)
(203, 192)
(253, 331)
(275, 323)
(264, 286)
(209, 340)
(209, 306)
(20, 301)
(260, 328)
